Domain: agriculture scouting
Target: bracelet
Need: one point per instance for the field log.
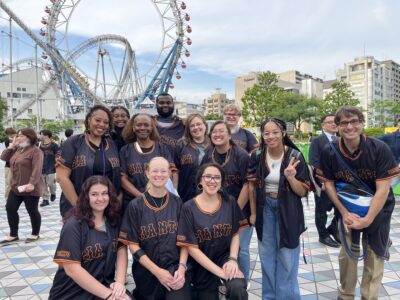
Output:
(108, 297)
(233, 258)
(183, 265)
(138, 254)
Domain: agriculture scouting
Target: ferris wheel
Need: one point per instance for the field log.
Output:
(114, 76)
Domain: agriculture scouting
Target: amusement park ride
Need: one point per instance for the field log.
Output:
(125, 86)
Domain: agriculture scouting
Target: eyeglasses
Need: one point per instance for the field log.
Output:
(329, 122)
(354, 122)
(209, 178)
(218, 131)
(163, 171)
(232, 115)
(195, 125)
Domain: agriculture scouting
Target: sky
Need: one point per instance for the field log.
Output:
(234, 37)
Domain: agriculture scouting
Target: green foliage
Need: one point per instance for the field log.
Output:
(55, 126)
(296, 109)
(340, 96)
(374, 131)
(385, 112)
(213, 117)
(260, 100)
(3, 111)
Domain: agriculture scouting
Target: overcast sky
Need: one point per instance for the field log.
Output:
(234, 37)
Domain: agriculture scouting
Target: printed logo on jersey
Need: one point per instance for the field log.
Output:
(114, 162)
(79, 161)
(92, 252)
(240, 143)
(48, 152)
(365, 174)
(137, 168)
(186, 159)
(232, 180)
(218, 231)
(151, 230)
(167, 140)
(63, 253)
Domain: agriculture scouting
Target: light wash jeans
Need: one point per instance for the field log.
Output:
(280, 266)
(244, 252)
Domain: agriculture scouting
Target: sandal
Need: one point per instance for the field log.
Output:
(9, 240)
(32, 238)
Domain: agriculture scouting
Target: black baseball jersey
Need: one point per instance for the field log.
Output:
(245, 139)
(187, 163)
(211, 232)
(133, 164)
(79, 156)
(235, 169)
(50, 151)
(154, 229)
(94, 249)
(171, 135)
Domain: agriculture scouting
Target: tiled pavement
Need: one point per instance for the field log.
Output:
(27, 270)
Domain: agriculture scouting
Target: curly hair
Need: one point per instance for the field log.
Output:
(82, 210)
(130, 136)
(94, 109)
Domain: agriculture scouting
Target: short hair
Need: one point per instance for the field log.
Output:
(164, 94)
(233, 107)
(347, 111)
(30, 134)
(129, 136)
(94, 109)
(46, 132)
(10, 131)
(114, 108)
(327, 115)
(68, 132)
(218, 123)
(187, 137)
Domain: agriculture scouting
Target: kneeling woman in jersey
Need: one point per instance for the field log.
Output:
(149, 228)
(88, 251)
(209, 228)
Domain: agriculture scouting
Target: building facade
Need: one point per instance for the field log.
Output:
(215, 103)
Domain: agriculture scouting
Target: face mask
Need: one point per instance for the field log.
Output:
(167, 114)
(24, 145)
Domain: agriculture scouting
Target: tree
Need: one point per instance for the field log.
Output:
(385, 112)
(213, 117)
(340, 96)
(3, 111)
(260, 99)
(296, 109)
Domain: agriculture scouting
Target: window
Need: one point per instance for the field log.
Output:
(24, 89)
(18, 89)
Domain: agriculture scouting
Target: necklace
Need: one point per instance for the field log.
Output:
(273, 163)
(155, 202)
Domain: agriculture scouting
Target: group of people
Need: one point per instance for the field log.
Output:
(185, 200)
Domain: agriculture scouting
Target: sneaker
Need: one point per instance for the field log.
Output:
(44, 203)
(32, 238)
(52, 197)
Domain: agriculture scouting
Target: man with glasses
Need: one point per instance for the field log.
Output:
(240, 136)
(372, 162)
(322, 202)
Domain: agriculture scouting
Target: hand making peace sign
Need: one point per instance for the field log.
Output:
(290, 171)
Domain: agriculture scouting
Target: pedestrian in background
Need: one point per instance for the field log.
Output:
(10, 134)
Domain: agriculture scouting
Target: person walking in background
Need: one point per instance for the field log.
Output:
(279, 178)
(322, 202)
(240, 136)
(367, 164)
(190, 154)
(121, 117)
(27, 184)
(90, 153)
(92, 264)
(393, 141)
(10, 134)
(50, 150)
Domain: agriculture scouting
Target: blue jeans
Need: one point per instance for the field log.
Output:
(244, 252)
(280, 266)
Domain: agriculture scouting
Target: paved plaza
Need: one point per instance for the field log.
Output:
(27, 270)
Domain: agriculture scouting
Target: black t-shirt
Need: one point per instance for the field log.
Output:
(245, 139)
(50, 151)
(153, 228)
(6, 144)
(171, 134)
(94, 249)
(116, 136)
(101, 165)
(211, 232)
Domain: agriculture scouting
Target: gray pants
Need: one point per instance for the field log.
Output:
(50, 186)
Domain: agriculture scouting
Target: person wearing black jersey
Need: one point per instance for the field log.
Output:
(120, 119)
(190, 154)
(87, 154)
(234, 161)
(143, 144)
(209, 228)
(279, 178)
(92, 264)
(149, 228)
(373, 163)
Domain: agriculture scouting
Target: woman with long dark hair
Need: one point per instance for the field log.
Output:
(149, 228)
(91, 263)
(209, 228)
(190, 154)
(87, 154)
(121, 117)
(143, 144)
(278, 177)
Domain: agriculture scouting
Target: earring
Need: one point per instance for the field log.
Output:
(200, 187)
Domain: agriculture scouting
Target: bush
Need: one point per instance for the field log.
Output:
(374, 131)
